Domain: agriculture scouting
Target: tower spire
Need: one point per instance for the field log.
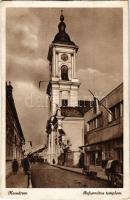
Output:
(62, 16)
(61, 25)
(62, 37)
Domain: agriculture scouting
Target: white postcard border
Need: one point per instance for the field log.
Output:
(60, 193)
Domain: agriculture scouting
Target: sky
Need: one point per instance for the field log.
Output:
(29, 31)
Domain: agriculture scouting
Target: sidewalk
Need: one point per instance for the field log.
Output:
(20, 180)
(100, 173)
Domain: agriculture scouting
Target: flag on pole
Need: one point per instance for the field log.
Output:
(96, 104)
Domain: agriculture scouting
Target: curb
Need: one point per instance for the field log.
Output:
(67, 169)
(98, 177)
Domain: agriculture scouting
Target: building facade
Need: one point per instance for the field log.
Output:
(66, 122)
(14, 135)
(104, 130)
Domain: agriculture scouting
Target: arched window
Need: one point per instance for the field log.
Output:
(64, 73)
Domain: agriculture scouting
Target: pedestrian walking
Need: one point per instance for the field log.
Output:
(15, 166)
(26, 165)
(81, 161)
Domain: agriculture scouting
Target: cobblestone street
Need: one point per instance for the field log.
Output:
(46, 176)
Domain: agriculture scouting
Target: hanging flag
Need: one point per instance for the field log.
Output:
(31, 143)
(96, 104)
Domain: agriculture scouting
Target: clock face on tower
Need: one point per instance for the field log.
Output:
(64, 57)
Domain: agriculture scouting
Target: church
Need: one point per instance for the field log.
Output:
(65, 126)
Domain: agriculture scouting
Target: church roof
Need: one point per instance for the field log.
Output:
(61, 38)
(73, 111)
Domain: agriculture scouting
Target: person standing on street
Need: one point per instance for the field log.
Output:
(15, 166)
(26, 165)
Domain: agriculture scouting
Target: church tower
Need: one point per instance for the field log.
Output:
(63, 86)
(65, 124)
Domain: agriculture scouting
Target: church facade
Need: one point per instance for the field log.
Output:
(65, 127)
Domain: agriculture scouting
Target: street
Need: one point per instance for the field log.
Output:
(47, 176)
